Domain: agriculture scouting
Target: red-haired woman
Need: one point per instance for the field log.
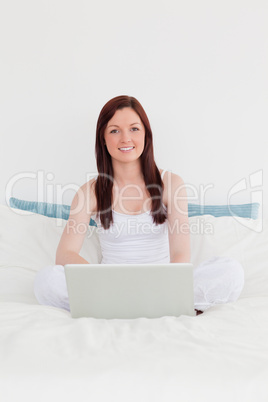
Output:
(141, 212)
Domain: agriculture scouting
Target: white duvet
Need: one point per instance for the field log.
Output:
(45, 355)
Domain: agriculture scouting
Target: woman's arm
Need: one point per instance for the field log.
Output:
(76, 228)
(70, 257)
(178, 223)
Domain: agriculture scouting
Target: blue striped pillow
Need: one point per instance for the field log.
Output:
(62, 211)
(243, 210)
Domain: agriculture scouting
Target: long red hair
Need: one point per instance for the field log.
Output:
(151, 174)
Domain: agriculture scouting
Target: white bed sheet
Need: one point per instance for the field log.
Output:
(220, 355)
(45, 355)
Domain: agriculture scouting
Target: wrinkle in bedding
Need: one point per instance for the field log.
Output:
(211, 346)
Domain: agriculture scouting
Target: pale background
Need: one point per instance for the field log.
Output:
(199, 69)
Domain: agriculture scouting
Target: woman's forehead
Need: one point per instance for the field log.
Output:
(124, 116)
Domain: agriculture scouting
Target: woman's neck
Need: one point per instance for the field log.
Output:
(128, 174)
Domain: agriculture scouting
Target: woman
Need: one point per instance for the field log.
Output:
(141, 213)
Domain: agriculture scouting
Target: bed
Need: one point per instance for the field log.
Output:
(220, 355)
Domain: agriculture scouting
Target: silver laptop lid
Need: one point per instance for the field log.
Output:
(130, 290)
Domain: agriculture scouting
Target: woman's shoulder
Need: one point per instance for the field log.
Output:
(172, 184)
(170, 178)
(88, 189)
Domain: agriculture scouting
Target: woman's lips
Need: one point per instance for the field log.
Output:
(129, 150)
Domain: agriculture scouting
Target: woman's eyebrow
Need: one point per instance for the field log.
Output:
(114, 125)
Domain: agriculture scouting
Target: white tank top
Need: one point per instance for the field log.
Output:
(134, 239)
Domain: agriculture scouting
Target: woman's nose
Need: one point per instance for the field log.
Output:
(125, 135)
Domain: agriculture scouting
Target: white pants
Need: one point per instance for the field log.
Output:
(216, 281)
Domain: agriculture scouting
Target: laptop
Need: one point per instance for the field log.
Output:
(114, 291)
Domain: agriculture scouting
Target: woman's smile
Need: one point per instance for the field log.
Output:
(126, 149)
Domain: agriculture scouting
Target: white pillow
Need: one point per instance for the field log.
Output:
(28, 242)
(31, 240)
(234, 237)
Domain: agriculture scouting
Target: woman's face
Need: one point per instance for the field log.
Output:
(125, 130)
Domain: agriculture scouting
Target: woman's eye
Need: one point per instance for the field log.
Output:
(133, 128)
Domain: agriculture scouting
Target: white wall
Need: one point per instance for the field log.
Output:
(199, 68)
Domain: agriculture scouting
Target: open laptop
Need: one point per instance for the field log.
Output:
(130, 290)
